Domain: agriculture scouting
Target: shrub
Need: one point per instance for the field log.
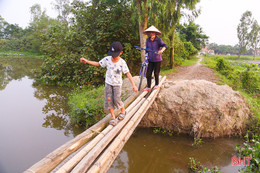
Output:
(242, 77)
(250, 79)
(86, 107)
(67, 70)
(223, 66)
(190, 49)
(196, 166)
(2, 43)
(250, 148)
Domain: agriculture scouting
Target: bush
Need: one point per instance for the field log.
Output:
(68, 70)
(94, 27)
(242, 77)
(2, 43)
(250, 79)
(86, 106)
(190, 49)
(223, 66)
(250, 148)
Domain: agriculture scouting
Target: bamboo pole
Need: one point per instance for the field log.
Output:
(129, 114)
(76, 159)
(50, 161)
(108, 156)
(93, 154)
(115, 153)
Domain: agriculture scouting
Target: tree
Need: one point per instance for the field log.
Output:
(2, 26)
(64, 9)
(254, 37)
(12, 31)
(193, 33)
(171, 12)
(224, 49)
(94, 26)
(39, 24)
(243, 30)
(140, 9)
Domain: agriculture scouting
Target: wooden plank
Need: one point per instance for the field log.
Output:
(50, 161)
(108, 156)
(76, 159)
(92, 155)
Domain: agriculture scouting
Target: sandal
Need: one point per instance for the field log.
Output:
(112, 122)
(121, 116)
(156, 87)
(147, 89)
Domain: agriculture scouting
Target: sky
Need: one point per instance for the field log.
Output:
(219, 18)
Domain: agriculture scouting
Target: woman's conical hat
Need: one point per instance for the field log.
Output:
(152, 29)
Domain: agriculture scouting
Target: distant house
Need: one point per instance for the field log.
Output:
(257, 52)
(206, 50)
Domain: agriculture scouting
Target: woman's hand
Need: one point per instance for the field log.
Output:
(161, 51)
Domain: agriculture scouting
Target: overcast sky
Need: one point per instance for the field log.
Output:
(218, 19)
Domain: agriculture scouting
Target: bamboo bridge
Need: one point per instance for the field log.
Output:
(95, 149)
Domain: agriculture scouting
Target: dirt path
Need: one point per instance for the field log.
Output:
(196, 71)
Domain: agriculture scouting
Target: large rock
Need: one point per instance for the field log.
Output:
(127, 89)
(199, 108)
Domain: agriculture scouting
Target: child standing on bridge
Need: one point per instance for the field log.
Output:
(113, 82)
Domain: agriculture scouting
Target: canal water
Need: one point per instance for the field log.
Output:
(35, 121)
(34, 118)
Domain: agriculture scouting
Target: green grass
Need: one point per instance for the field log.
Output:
(86, 105)
(4, 53)
(253, 99)
(235, 57)
(253, 102)
(189, 62)
(167, 71)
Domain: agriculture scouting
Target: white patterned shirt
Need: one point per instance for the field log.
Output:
(114, 70)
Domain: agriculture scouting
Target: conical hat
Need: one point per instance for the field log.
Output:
(152, 29)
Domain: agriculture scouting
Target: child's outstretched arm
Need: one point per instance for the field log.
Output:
(128, 74)
(89, 62)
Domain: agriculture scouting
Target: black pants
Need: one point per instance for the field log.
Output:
(153, 66)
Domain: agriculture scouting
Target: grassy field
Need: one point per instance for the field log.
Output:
(233, 76)
(20, 54)
(235, 57)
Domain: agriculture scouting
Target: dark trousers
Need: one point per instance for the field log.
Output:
(153, 67)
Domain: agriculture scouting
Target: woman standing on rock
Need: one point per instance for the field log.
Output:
(154, 43)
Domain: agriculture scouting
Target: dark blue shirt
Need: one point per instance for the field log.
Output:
(155, 45)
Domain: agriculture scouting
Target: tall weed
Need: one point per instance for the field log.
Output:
(86, 107)
(243, 77)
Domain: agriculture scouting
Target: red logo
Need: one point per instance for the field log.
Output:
(238, 161)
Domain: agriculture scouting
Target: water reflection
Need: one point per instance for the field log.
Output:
(55, 109)
(149, 152)
(34, 118)
(16, 68)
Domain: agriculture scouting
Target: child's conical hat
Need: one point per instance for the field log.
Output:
(152, 29)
